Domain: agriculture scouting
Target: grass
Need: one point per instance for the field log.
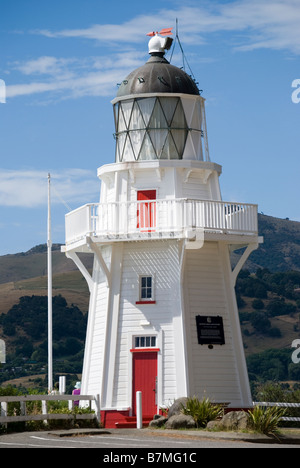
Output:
(72, 286)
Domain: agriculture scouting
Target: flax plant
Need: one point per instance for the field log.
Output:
(266, 420)
(202, 411)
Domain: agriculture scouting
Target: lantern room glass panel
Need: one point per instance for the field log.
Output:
(156, 128)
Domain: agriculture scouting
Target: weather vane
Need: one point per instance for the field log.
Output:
(158, 44)
(163, 32)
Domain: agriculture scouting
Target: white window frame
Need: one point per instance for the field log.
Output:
(141, 287)
(143, 339)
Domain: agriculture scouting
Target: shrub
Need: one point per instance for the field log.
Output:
(258, 304)
(260, 322)
(202, 411)
(266, 420)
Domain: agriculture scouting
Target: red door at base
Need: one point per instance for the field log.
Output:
(144, 376)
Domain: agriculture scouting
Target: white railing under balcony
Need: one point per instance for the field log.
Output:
(164, 218)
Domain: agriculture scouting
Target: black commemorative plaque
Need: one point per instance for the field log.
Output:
(210, 330)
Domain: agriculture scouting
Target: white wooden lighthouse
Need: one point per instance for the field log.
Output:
(163, 317)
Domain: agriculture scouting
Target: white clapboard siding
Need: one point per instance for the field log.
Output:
(215, 372)
(93, 363)
(161, 260)
(196, 189)
(166, 186)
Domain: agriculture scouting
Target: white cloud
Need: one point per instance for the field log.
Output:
(45, 65)
(252, 24)
(93, 76)
(29, 188)
(270, 24)
(130, 32)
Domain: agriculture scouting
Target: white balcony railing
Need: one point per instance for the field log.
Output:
(163, 218)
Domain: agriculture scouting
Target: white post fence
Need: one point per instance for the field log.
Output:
(45, 415)
(280, 405)
(94, 401)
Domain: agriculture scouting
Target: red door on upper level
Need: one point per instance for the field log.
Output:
(144, 379)
(146, 211)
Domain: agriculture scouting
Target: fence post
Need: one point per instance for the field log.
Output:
(44, 410)
(139, 417)
(62, 384)
(3, 411)
(23, 408)
(70, 405)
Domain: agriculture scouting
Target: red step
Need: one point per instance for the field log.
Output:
(130, 422)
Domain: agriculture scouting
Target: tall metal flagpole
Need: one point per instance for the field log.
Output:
(49, 244)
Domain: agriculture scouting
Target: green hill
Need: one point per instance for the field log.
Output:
(281, 248)
(25, 274)
(32, 264)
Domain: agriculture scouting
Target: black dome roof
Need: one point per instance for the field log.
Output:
(158, 76)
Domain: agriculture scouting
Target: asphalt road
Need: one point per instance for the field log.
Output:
(146, 446)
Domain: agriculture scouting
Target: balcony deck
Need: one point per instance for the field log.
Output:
(158, 219)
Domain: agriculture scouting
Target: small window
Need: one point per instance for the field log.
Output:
(146, 288)
(145, 342)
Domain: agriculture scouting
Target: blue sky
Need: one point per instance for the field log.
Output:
(61, 62)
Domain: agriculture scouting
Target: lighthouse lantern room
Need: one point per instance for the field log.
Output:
(163, 316)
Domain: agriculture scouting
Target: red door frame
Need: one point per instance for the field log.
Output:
(144, 379)
(146, 211)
